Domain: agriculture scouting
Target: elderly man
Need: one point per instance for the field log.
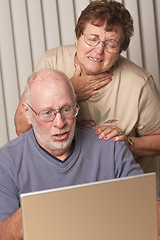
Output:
(54, 153)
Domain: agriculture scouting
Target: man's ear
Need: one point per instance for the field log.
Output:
(26, 112)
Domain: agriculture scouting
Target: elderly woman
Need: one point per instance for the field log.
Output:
(116, 96)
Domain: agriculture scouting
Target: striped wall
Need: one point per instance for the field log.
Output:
(29, 27)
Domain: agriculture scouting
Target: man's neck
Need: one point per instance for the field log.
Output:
(59, 154)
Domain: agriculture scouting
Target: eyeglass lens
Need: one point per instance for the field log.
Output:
(94, 40)
(67, 112)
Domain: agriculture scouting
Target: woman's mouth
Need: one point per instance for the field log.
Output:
(95, 59)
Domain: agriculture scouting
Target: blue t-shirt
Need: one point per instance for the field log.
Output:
(26, 167)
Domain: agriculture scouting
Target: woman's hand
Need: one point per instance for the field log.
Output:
(108, 131)
(88, 85)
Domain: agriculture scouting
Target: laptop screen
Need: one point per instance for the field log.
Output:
(119, 209)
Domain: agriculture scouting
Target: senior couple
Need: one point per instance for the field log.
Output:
(114, 96)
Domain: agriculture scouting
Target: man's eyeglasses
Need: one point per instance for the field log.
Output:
(110, 45)
(50, 114)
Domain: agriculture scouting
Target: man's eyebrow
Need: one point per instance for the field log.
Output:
(51, 107)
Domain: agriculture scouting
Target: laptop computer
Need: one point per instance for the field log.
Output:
(119, 209)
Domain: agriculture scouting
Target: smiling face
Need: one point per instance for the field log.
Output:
(94, 60)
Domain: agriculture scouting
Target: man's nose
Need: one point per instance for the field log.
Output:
(59, 121)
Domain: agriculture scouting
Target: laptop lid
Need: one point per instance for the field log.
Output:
(119, 209)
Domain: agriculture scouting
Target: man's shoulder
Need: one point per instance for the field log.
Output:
(89, 139)
(16, 143)
(89, 135)
(85, 131)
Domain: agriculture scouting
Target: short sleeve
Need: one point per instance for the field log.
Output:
(9, 199)
(149, 108)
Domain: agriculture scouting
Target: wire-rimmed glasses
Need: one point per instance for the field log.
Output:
(109, 45)
(50, 114)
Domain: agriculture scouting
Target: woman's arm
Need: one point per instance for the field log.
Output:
(20, 121)
(148, 145)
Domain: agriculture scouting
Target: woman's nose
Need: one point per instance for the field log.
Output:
(100, 48)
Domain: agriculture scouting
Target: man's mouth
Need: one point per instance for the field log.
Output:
(95, 59)
(60, 136)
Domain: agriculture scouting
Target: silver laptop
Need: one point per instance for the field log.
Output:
(119, 209)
